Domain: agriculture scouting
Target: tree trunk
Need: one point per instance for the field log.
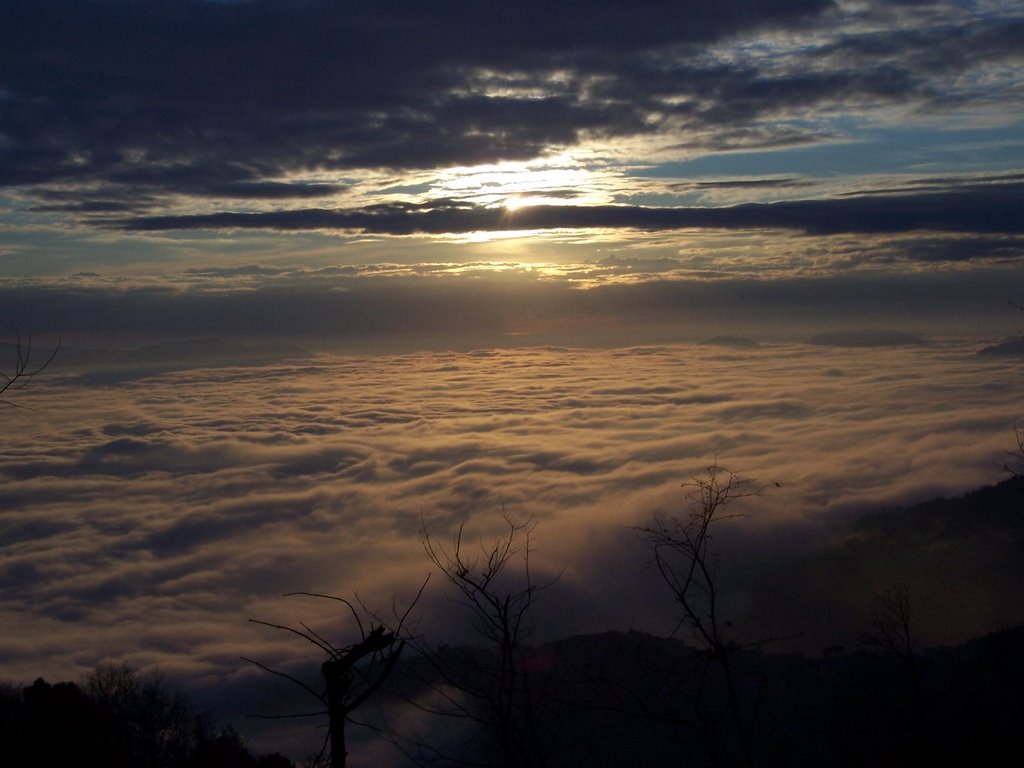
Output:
(338, 678)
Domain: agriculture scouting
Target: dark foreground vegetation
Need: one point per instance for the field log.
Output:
(709, 697)
(705, 697)
(615, 699)
(631, 699)
(116, 719)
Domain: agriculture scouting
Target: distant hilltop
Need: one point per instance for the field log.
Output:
(871, 337)
(210, 350)
(106, 364)
(736, 342)
(1009, 348)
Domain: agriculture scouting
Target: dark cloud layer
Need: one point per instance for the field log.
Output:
(983, 209)
(112, 105)
(241, 91)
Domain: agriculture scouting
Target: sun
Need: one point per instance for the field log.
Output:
(511, 185)
(525, 201)
(514, 203)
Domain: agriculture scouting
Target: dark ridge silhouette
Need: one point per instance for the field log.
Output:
(875, 337)
(1009, 348)
(735, 342)
(992, 506)
(202, 350)
(100, 365)
(957, 556)
(618, 698)
(630, 698)
(186, 353)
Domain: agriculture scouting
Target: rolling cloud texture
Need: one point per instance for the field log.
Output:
(146, 521)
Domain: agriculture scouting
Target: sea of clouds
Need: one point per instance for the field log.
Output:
(146, 520)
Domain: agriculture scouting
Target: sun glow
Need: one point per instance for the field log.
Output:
(489, 236)
(552, 181)
(525, 201)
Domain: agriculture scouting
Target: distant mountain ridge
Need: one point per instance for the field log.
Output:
(1009, 348)
(213, 349)
(630, 698)
(958, 557)
(867, 337)
(115, 364)
(735, 342)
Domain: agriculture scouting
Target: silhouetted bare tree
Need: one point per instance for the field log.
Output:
(1015, 458)
(156, 726)
(24, 370)
(891, 624)
(1015, 463)
(892, 633)
(351, 673)
(688, 565)
(490, 687)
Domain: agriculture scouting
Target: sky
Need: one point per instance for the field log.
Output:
(446, 257)
(735, 158)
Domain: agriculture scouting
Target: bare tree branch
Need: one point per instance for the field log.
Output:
(352, 673)
(277, 672)
(351, 608)
(323, 646)
(23, 371)
(1015, 458)
(891, 629)
(497, 588)
(688, 564)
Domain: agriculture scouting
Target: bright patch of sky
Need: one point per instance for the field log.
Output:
(866, 152)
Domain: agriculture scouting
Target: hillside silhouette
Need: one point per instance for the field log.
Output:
(632, 698)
